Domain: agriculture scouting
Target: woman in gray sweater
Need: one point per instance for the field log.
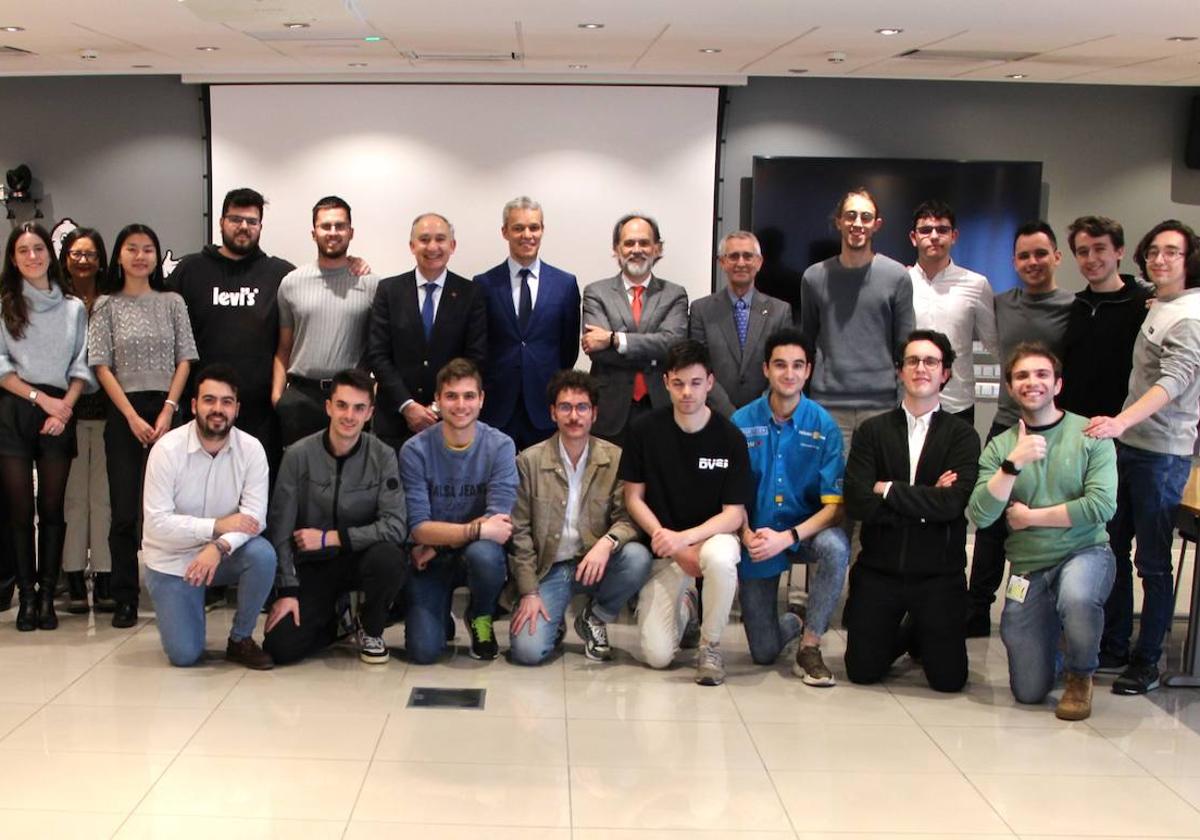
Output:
(43, 371)
(141, 346)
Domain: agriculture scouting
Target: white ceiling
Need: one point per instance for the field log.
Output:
(1083, 41)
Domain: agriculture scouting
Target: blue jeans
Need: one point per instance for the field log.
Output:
(1067, 599)
(1149, 488)
(179, 606)
(624, 575)
(481, 566)
(828, 552)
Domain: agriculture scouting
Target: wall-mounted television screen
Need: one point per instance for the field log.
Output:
(793, 200)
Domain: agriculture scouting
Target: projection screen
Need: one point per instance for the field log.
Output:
(587, 154)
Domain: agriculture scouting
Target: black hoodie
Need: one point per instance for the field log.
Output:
(231, 304)
(1098, 349)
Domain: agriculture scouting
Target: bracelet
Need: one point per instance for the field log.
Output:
(174, 405)
(323, 533)
(612, 339)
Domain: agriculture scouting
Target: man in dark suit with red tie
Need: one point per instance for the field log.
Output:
(533, 328)
(420, 320)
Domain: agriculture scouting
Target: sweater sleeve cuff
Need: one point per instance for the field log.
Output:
(344, 539)
(288, 591)
(526, 580)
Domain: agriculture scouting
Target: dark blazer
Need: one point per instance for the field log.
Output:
(404, 363)
(520, 364)
(664, 321)
(737, 369)
(918, 529)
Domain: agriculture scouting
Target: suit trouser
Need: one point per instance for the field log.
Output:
(87, 509)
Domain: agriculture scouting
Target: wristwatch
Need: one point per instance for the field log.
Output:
(615, 542)
(33, 395)
(795, 536)
(1009, 468)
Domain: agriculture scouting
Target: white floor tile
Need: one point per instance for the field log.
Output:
(85, 782)
(464, 736)
(363, 830)
(163, 687)
(164, 827)
(604, 700)
(288, 733)
(1071, 749)
(13, 715)
(660, 743)
(77, 825)
(772, 698)
(105, 729)
(840, 747)
(1163, 752)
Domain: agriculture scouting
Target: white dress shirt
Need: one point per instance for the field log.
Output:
(918, 429)
(440, 280)
(569, 542)
(622, 346)
(957, 302)
(187, 491)
(514, 275)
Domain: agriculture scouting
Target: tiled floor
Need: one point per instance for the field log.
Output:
(100, 738)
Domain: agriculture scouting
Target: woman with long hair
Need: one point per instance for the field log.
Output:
(43, 370)
(84, 262)
(141, 346)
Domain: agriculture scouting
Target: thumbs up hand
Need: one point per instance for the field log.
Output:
(1029, 447)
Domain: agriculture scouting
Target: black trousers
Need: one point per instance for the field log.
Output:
(126, 470)
(301, 412)
(875, 608)
(379, 572)
(987, 562)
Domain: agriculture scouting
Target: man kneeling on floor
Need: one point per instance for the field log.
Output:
(204, 502)
(687, 484)
(571, 533)
(337, 523)
(1057, 488)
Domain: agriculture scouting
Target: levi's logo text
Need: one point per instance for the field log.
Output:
(713, 463)
(244, 296)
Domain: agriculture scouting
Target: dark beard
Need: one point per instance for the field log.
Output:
(241, 250)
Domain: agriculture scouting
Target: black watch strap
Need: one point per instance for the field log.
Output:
(1008, 467)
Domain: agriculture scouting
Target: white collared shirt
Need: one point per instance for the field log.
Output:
(957, 302)
(569, 543)
(514, 276)
(187, 491)
(918, 429)
(437, 293)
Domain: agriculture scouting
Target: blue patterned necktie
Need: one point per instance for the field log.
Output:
(741, 319)
(427, 309)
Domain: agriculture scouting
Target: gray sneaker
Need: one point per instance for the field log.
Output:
(371, 649)
(690, 640)
(594, 633)
(710, 665)
(811, 668)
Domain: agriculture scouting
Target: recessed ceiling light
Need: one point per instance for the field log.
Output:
(13, 28)
(357, 64)
(577, 66)
(296, 25)
(889, 30)
(591, 26)
(1178, 38)
(797, 69)
(709, 50)
(141, 66)
(371, 39)
(208, 49)
(1015, 76)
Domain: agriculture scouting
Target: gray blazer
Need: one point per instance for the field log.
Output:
(737, 369)
(664, 321)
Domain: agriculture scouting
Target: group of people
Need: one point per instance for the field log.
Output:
(709, 448)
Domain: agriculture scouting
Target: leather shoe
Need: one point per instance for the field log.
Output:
(247, 652)
(125, 615)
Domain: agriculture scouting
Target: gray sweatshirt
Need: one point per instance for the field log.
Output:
(53, 350)
(1167, 353)
(1021, 316)
(857, 317)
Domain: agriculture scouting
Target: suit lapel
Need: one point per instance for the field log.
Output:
(754, 333)
(727, 328)
(447, 309)
(650, 299)
(624, 308)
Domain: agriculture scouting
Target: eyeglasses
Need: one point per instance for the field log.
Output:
(743, 256)
(333, 227)
(581, 409)
(866, 216)
(940, 230)
(83, 256)
(930, 362)
(1170, 254)
(238, 221)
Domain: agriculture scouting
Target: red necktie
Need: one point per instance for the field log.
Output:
(639, 381)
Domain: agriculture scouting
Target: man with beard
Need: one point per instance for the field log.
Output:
(323, 313)
(204, 503)
(629, 322)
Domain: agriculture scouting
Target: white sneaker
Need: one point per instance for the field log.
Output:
(371, 649)
(710, 665)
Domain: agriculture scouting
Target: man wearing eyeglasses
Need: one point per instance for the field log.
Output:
(734, 323)
(230, 292)
(950, 299)
(1156, 434)
(571, 532)
(323, 311)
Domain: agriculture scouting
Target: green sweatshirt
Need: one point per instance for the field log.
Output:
(1077, 470)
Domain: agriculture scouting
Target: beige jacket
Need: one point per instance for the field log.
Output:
(541, 508)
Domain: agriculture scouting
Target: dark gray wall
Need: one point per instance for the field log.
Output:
(110, 150)
(1116, 151)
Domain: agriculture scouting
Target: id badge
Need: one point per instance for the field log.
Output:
(1018, 588)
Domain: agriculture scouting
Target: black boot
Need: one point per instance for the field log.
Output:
(51, 537)
(102, 592)
(77, 597)
(22, 545)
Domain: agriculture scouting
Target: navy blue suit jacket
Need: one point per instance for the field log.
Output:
(519, 365)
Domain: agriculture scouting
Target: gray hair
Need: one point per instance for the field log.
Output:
(521, 202)
(739, 234)
(412, 231)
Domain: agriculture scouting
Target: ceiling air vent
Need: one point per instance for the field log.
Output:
(455, 58)
(966, 56)
(13, 52)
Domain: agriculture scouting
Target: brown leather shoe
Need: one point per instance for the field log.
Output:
(1076, 702)
(248, 653)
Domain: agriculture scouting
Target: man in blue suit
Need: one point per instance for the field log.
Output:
(533, 328)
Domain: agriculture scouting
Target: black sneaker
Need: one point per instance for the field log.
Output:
(483, 640)
(594, 633)
(1111, 663)
(125, 615)
(1138, 678)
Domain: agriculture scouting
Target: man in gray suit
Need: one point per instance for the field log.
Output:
(629, 321)
(735, 323)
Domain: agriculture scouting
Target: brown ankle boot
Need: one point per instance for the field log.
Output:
(1076, 702)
